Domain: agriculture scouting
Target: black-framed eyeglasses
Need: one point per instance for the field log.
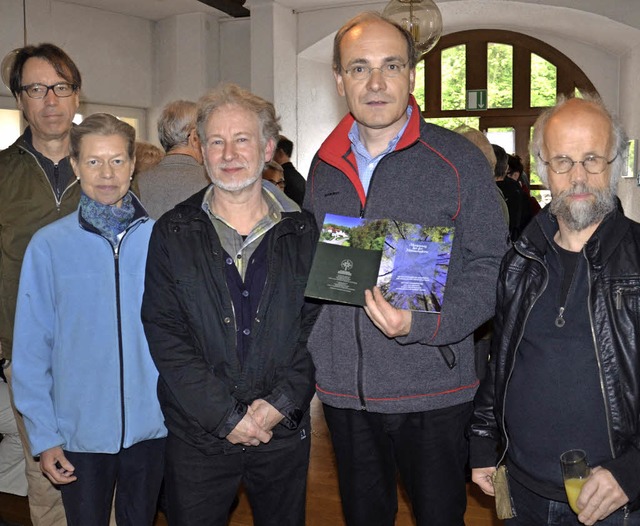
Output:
(39, 91)
(593, 164)
(389, 71)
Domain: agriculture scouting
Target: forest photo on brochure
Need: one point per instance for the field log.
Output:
(408, 262)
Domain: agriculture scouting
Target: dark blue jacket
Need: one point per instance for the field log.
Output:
(188, 315)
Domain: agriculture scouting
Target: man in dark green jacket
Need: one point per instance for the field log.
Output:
(37, 187)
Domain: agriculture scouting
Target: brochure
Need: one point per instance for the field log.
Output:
(408, 262)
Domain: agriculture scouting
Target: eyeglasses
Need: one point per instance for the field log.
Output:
(389, 71)
(593, 164)
(39, 91)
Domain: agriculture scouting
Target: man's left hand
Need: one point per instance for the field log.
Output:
(601, 495)
(264, 414)
(391, 321)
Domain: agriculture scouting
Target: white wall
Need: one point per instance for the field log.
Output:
(235, 51)
(319, 110)
(130, 61)
(113, 52)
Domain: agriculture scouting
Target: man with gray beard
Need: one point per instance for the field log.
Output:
(565, 357)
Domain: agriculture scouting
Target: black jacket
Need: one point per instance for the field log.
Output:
(613, 256)
(189, 321)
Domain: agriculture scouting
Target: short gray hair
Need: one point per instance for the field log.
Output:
(619, 141)
(175, 123)
(232, 94)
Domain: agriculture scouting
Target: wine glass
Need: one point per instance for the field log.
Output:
(575, 472)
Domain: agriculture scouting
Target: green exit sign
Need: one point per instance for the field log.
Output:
(476, 99)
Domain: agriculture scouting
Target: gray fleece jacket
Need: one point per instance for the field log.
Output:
(433, 177)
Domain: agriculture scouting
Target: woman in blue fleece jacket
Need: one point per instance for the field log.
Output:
(82, 375)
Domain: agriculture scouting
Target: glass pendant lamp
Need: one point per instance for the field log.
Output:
(421, 18)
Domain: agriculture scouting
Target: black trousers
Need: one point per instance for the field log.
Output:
(135, 473)
(200, 488)
(429, 450)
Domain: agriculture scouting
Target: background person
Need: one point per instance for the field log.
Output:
(147, 156)
(180, 174)
(516, 172)
(480, 140)
(83, 376)
(294, 182)
(274, 173)
(512, 192)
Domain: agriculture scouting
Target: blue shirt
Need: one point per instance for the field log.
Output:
(367, 164)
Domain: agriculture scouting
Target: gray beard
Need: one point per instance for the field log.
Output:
(239, 185)
(235, 187)
(580, 215)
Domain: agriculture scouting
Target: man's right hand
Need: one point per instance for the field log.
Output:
(483, 477)
(248, 433)
(56, 467)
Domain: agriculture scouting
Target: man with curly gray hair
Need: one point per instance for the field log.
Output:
(227, 325)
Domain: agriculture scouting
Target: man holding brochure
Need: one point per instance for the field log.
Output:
(397, 385)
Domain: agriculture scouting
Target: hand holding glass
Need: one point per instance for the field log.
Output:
(575, 472)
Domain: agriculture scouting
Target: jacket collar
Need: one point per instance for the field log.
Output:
(336, 149)
(539, 234)
(180, 158)
(192, 207)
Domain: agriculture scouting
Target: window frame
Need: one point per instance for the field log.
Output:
(522, 115)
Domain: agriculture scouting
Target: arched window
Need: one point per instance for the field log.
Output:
(521, 76)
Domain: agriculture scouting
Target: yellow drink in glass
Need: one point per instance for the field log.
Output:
(573, 488)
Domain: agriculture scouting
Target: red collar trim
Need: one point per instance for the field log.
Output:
(336, 149)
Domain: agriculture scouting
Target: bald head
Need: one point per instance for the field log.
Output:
(572, 122)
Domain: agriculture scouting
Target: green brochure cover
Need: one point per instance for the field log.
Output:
(408, 262)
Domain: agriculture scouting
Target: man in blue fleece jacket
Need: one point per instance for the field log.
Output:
(397, 385)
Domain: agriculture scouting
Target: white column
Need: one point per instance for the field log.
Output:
(186, 60)
(274, 58)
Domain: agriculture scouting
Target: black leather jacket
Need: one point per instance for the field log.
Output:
(613, 255)
(189, 321)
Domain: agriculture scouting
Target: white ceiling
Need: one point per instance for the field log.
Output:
(623, 11)
(150, 9)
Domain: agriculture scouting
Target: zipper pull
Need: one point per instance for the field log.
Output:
(559, 319)
(618, 299)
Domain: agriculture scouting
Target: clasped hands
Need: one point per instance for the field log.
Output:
(256, 425)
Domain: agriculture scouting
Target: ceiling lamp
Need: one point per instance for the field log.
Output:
(421, 18)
